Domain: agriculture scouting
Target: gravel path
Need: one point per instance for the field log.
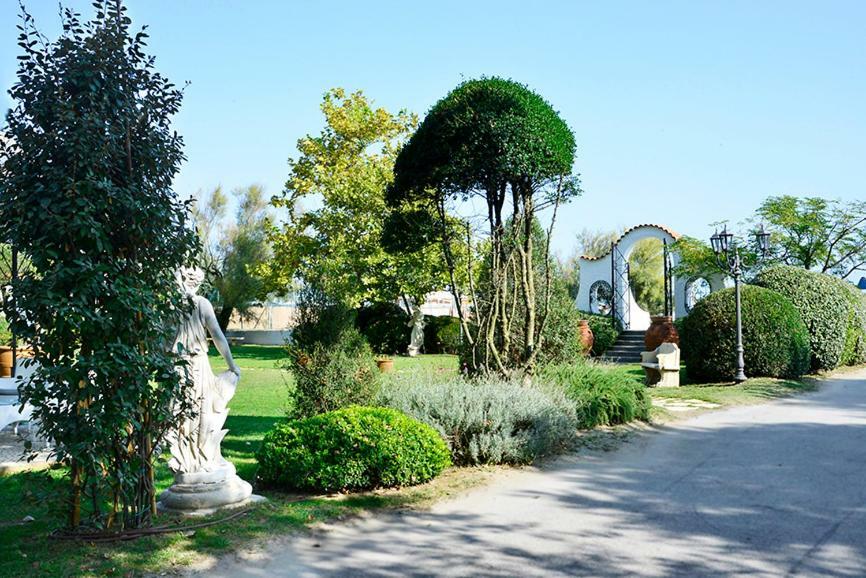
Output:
(770, 490)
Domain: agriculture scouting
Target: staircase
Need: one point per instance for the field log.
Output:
(627, 348)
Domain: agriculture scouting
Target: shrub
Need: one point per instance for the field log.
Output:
(775, 338)
(489, 421)
(355, 448)
(823, 304)
(320, 320)
(386, 327)
(603, 331)
(331, 376)
(441, 334)
(855, 338)
(603, 395)
(5, 332)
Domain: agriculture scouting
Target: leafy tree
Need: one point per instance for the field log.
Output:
(235, 254)
(818, 234)
(596, 243)
(647, 275)
(496, 141)
(338, 246)
(85, 194)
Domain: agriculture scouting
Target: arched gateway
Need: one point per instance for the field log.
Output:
(604, 283)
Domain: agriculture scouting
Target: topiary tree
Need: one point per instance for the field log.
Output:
(823, 304)
(497, 141)
(775, 338)
(85, 194)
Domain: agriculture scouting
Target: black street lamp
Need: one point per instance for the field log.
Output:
(724, 244)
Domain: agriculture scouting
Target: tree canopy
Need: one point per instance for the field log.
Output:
(496, 140)
(338, 245)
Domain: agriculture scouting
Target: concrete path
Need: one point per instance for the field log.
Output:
(771, 490)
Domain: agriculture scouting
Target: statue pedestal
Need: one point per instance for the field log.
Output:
(204, 493)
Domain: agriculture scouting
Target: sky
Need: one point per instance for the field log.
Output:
(685, 113)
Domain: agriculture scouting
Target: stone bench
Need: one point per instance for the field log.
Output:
(662, 365)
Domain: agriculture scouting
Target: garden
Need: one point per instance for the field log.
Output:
(165, 435)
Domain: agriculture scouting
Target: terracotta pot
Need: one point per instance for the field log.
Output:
(5, 362)
(585, 335)
(385, 365)
(661, 330)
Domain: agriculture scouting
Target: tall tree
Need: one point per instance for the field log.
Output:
(337, 247)
(85, 194)
(234, 253)
(496, 141)
(819, 234)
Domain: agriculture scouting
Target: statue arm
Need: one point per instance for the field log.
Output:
(219, 339)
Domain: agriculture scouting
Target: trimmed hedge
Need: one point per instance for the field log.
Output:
(603, 395)
(385, 326)
(775, 338)
(824, 306)
(441, 334)
(602, 330)
(855, 338)
(355, 448)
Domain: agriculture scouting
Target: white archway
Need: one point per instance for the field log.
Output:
(612, 269)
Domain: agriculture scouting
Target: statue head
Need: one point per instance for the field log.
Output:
(190, 279)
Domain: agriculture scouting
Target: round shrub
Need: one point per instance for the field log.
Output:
(488, 420)
(603, 395)
(775, 338)
(823, 305)
(386, 327)
(441, 334)
(354, 448)
(855, 338)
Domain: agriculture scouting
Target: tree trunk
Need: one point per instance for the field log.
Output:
(224, 316)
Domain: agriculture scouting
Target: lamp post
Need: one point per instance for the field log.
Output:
(724, 245)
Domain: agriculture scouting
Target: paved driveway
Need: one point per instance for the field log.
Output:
(771, 490)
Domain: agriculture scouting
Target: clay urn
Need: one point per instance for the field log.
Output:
(585, 335)
(661, 330)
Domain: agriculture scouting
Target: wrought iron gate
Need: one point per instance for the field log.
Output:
(619, 271)
(669, 280)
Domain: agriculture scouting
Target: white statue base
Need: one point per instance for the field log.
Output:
(205, 493)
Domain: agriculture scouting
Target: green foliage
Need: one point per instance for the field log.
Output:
(88, 157)
(603, 331)
(647, 275)
(493, 139)
(775, 338)
(855, 337)
(234, 254)
(355, 448)
(5, 332)
(824, 305)
(817, 234)
(385, 326)
(337, 246)
(487, 421)
(333, 375)
(602, 395)
(441, 334)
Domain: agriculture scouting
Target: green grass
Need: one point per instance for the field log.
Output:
(259, 402)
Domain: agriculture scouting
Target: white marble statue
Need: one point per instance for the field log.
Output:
(203, 480)
(416, 339)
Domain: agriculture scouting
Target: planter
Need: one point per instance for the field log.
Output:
(585, 335)
(661, 330)
(5, 362)
(385, 365)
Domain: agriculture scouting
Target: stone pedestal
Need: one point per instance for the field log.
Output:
(203, 493)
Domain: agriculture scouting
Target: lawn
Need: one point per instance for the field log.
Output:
(26, 548)
(260, 401)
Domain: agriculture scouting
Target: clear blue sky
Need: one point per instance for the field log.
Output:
(685, 112)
